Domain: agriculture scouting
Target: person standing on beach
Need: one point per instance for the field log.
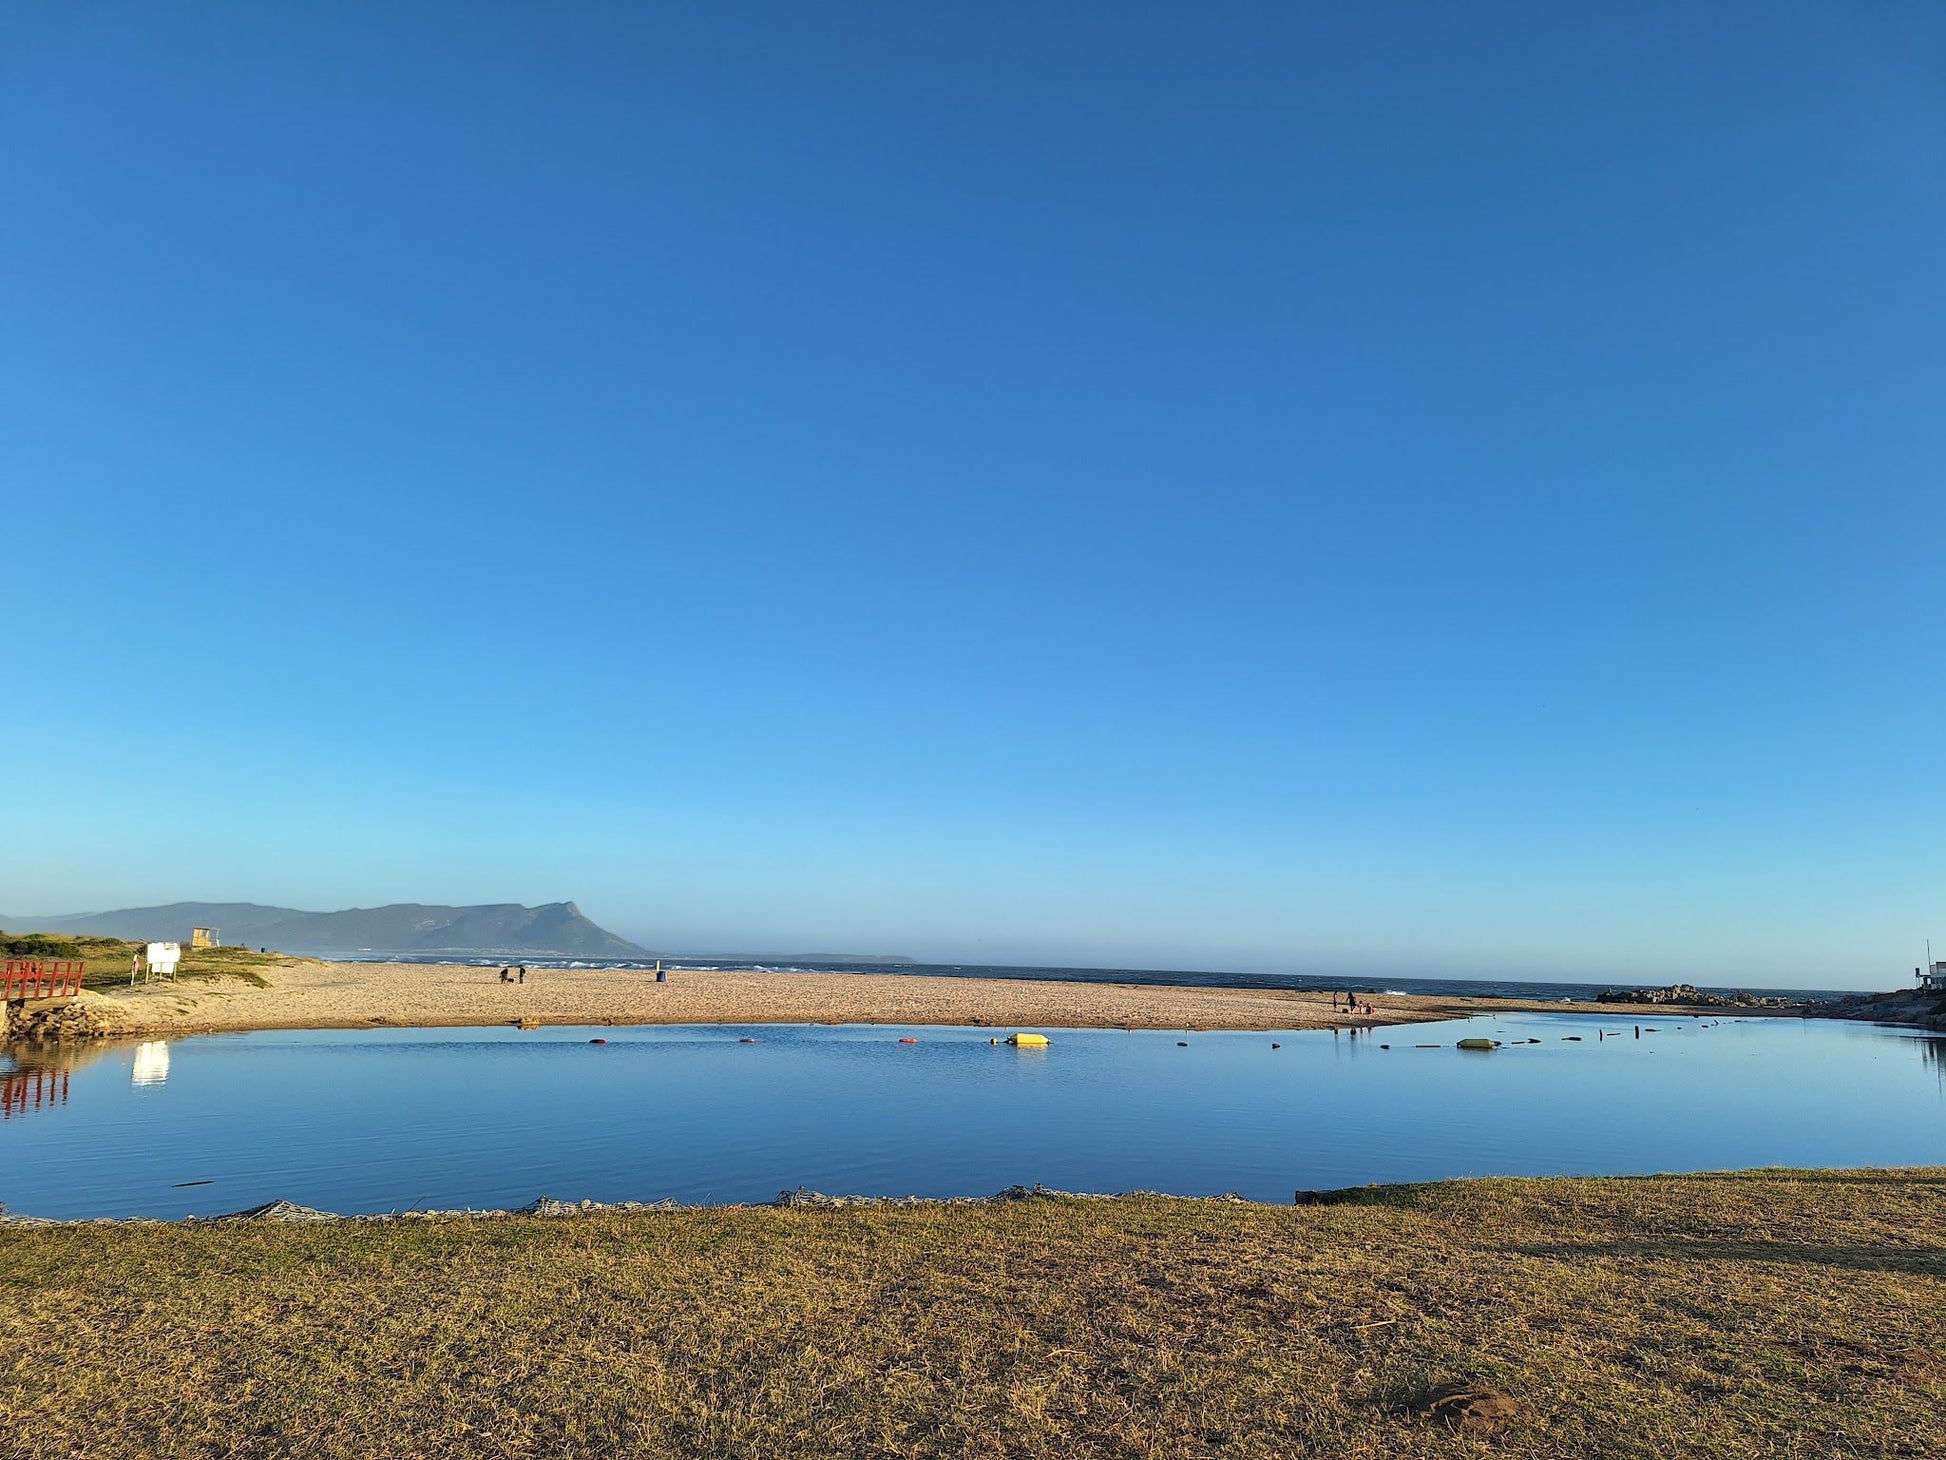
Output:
(522, 978)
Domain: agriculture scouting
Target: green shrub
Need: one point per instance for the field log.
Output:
(39, 945)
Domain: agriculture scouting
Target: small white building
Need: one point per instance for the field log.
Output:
(1933, 979)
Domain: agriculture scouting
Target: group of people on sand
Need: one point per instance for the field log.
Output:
(1352, 1005)
(514, 975)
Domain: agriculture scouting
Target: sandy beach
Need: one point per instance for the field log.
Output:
(316, 995)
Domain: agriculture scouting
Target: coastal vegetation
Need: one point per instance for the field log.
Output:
(1755, 1314)
(108, 959)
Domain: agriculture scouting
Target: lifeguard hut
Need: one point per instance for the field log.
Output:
(204, 937)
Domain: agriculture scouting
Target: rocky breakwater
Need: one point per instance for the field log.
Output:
(46, 1020)
(1921, 1007)
(1689, 996)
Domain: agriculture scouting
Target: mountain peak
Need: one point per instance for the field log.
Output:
(556, 928)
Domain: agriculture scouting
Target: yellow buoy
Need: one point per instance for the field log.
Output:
(1028, 1041)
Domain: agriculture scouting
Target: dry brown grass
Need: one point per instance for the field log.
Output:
(1768, 1314)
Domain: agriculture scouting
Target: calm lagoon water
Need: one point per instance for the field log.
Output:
(369, 1121)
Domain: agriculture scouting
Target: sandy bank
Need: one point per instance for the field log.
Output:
(312, 995)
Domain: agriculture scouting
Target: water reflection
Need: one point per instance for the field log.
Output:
(32, 1088)
(36, 1077)
(1933, 1051)
(151, 1063)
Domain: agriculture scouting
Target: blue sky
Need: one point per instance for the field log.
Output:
(1329, 488)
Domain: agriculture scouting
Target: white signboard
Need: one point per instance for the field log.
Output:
(163, 958)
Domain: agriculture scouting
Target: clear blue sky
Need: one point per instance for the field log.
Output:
(1458, 488)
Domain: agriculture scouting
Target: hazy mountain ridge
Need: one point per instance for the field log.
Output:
(552, 928)
(769, 959)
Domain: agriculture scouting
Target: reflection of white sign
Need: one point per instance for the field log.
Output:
(163, 957)
(152, 1062)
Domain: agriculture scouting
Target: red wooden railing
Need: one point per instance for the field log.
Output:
(42, 978)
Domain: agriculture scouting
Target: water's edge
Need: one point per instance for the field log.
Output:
(550, 1209)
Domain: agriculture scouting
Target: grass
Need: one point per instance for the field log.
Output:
(108, 958)
(1764, 1314)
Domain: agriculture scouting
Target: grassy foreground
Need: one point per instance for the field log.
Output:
(1763, 1314)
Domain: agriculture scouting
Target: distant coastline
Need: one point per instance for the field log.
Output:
(1552, 990)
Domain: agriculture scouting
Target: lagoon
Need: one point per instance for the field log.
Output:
(392, 1119)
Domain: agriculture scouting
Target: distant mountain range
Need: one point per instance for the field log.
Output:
(556, 928)
(787, 960)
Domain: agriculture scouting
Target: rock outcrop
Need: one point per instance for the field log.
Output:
(91, 1016)
(1920, 1007)
(1689, 995)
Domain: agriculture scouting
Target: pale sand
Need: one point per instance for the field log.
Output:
(310, 995)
